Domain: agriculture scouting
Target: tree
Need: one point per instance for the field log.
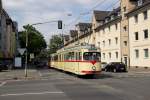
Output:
(56, 42)
(36, 41)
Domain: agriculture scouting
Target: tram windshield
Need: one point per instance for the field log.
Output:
(91, 56)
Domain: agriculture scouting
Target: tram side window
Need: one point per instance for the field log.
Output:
(52, 58)
(70, 56)
(78, 56)
(65, 57)
(60, 57)
(56, 58)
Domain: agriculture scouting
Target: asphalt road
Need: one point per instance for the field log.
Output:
(55, 85)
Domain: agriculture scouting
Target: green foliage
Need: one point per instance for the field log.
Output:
(36, 41)
(56, 42)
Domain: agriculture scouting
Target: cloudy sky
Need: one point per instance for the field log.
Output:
(33, 11)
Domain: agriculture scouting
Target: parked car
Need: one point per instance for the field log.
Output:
(40, 64)
(3, 66)
(103, 65)
(116, 67)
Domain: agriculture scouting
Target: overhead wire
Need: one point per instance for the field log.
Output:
(112, 5)
(87, 12)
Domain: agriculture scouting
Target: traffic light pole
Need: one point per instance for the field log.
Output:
(26, 31)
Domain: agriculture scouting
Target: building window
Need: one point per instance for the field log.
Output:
(145, 15)
(109, 41)
(125, 29)
(145, 34)
(137, 53)
(117, 55)
(136, 36)
(109, 28)
(99, 44)
(140, 2)
(116, 25)
(104, 55)
(103, 31)
(110, 55)
(136, 18)
(146, 53)
(103, 43)
(124, 9)
(116, 39)
(125, 43)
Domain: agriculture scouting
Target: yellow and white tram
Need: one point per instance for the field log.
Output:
(80, 60)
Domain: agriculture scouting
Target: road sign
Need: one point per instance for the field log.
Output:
(21, 50)
(32, 56)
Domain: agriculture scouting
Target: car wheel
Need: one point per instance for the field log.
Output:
(114, 70)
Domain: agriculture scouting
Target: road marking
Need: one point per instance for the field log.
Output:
(2, 84)
(38, 93)
(40, 74)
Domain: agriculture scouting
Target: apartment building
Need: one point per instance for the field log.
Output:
(108, 36)
(126, 7)
(139, 34)
(8, 30)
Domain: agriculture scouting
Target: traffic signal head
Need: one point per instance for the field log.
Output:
(60, 24)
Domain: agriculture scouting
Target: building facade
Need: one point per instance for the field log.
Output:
(108, 38)
(8, 33)
(139, 35)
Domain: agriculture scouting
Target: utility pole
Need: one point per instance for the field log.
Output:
(27, 33)
(26, 63)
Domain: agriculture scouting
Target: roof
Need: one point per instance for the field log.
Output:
(115, 11)
(84, 26)
(66, 37)
(73, 33)
(146, 3)
(100, 15)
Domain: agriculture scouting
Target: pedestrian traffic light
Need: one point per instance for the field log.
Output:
(60, 24)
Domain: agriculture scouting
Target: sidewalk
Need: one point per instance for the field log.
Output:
(139, 70)
(19, 74)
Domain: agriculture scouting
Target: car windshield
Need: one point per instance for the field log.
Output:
(91, 56)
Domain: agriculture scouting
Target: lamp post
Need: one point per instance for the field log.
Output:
(26, 63)
(26, 31)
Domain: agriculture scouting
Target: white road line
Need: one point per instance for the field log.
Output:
(2, 84)
(40, 74)
(38, 93)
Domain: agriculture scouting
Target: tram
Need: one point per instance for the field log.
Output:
(80, 60)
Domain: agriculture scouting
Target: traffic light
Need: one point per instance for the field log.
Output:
(60, 24)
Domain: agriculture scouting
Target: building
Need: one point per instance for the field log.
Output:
(139, 34)
(108, 36)
(126, 7)
(8, 33)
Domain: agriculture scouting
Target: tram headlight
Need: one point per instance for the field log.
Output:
(94, 68)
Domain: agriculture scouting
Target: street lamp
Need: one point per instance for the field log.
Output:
(26, 31)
